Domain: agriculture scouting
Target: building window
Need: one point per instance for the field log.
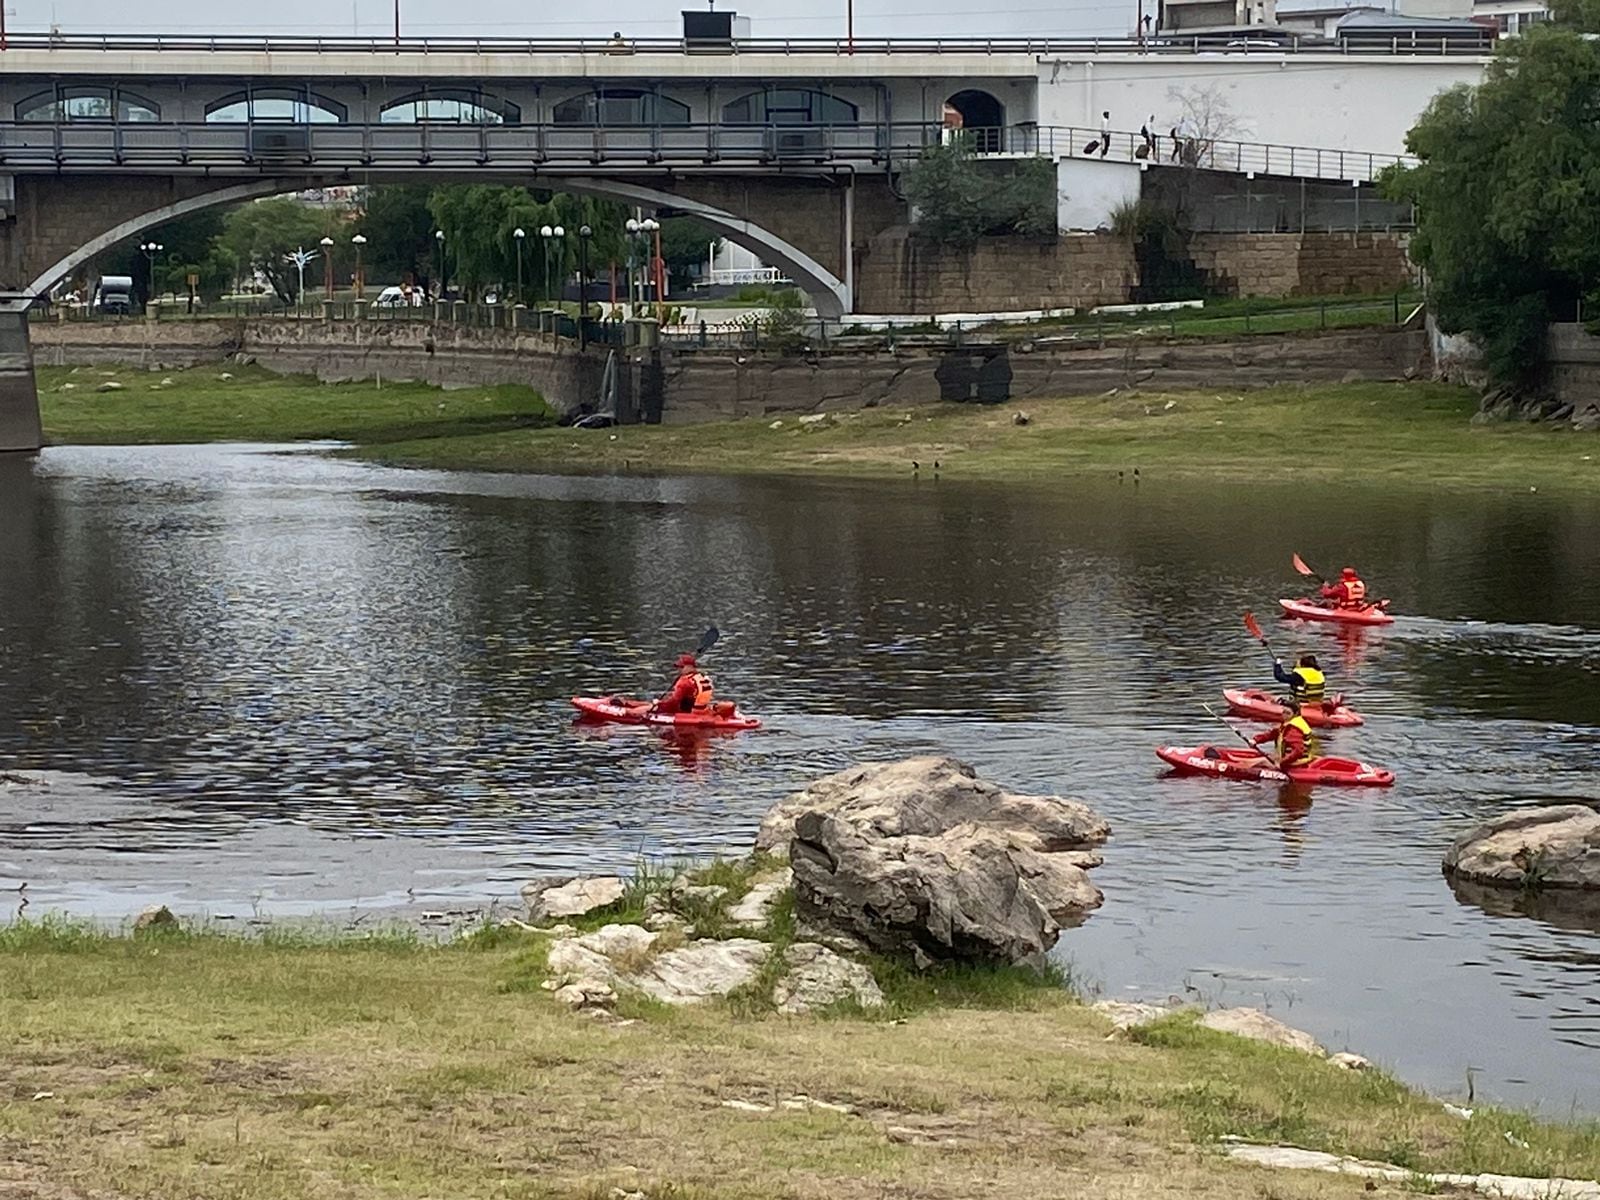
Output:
(789, 106)
(86, 104)
(451, 107)
(276, 105)
(621, 106)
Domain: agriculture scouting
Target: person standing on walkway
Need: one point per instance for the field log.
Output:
(1105, 132)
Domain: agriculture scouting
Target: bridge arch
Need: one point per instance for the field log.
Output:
(830, 294)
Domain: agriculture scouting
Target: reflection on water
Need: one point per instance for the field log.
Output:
(310, 684)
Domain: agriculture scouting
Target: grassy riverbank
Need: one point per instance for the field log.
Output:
(181, 1065)
(1412, 434)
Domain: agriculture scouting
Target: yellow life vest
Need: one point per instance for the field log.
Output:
(1308, 685)
(1311, 750)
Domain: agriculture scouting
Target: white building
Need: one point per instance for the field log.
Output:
(1182, 17)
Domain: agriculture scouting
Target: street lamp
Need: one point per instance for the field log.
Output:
(547, 234)
(151, 249)
(584, 234)
(359, 241)
(327, 268)
(444, 265)
(652, 229)
(521, 235)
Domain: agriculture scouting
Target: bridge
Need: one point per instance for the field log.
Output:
(788, 148)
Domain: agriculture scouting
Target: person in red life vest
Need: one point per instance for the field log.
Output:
(690, 692)
(1294, 745)
(1349, 592)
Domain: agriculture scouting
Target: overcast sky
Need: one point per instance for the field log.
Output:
(488, 18)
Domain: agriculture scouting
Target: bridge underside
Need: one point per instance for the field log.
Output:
(809, 224)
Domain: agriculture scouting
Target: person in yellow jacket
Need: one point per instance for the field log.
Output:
(1307, 685)
(1294, 745)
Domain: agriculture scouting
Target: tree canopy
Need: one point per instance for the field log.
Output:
(262, 234)
(1507, 192)
(959, 198)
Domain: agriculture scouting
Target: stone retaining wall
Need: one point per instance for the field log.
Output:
(1302, 264)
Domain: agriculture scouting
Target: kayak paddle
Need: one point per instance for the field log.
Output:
(707, 640)
(1254, 628)
(1300, 565)
(1255, 748)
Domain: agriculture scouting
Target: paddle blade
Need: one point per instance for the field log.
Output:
(707, 640)
(1300, 565)
(1254, 626)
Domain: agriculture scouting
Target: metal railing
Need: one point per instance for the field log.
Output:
(1408, 44)
(293, 149)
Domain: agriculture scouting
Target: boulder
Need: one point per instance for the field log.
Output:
(755, 908)
(157, 916)
(1125, 1014)
(110, 385)
(703, 971)
(1553, 846)
(568, 896)
(818, 977)
(1254, 1024)
(921, 859)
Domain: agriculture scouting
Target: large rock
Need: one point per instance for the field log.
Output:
(1254, 1024)
(561, 896)
(754, 909)
(701, 972)
(817, 977)
(1556, 846)
(922, 859)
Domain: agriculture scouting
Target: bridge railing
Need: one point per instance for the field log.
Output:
(1408, 44)
(288, 149)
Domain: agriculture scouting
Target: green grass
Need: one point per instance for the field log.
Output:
(197, 1064)
(255, 405)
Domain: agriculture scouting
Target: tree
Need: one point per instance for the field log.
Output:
(1204, 118)
(259, 235)
(480, 223)
(1507, 193)
(958, 198)
(399, 231)
(189, 246)
(687, 244)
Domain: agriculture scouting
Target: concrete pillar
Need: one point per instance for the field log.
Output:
(648, 334)
(519, 316)
(358, 309)
(327, 312)
(458, 311)
(19, 395)
(439, 310)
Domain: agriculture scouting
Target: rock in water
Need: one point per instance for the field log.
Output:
(1254, 1024)
(1555, 846)
(922, 859)
(566, 896)
(818, 977)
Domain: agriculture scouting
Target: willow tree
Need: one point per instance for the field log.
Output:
(1507, 192)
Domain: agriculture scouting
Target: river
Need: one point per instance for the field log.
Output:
(272, 682)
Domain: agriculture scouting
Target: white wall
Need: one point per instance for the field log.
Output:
(1088, 189)
(1302, 99)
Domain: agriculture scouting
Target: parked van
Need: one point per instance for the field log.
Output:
(114, 294)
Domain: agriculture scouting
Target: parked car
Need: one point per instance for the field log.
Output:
(394, 297)
(114, 294)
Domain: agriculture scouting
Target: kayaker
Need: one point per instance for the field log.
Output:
(691, 692)
(1293, 742)
(1349, 592)
(1307, 685)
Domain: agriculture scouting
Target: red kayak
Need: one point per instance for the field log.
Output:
(625, 711)
(1263, 706)
(1310, 610)
(1240, 763)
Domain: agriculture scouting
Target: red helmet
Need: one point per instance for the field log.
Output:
(1348, 573)
(686, 660)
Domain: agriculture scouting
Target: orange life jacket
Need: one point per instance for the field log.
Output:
(1355, 593)
(702, 692)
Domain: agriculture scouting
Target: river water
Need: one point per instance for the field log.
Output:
(276, 682)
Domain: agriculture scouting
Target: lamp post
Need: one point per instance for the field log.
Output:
(584, 234)
(327, 268)
(652, 229)
(634, 230)
(521, 235)
(359, 241)
(151, 249)
(444, 265)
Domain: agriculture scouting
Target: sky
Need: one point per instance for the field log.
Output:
(916, 19)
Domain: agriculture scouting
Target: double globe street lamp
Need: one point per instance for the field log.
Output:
(549, 234)
(645, 231)
(151, 249)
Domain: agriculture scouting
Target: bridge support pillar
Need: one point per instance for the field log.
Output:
(19, 394)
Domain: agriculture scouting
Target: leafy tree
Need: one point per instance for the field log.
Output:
(480, 222)
(958, 198)
(259, 235)
(189, 246)
(399, 231)
(686, 244)
(1507, 192)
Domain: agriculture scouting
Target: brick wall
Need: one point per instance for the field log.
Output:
(1302, 264)
(898, 273)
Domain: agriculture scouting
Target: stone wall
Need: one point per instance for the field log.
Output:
(898, 273)
(1302, 264)
(712, 385)
(1574, 374)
